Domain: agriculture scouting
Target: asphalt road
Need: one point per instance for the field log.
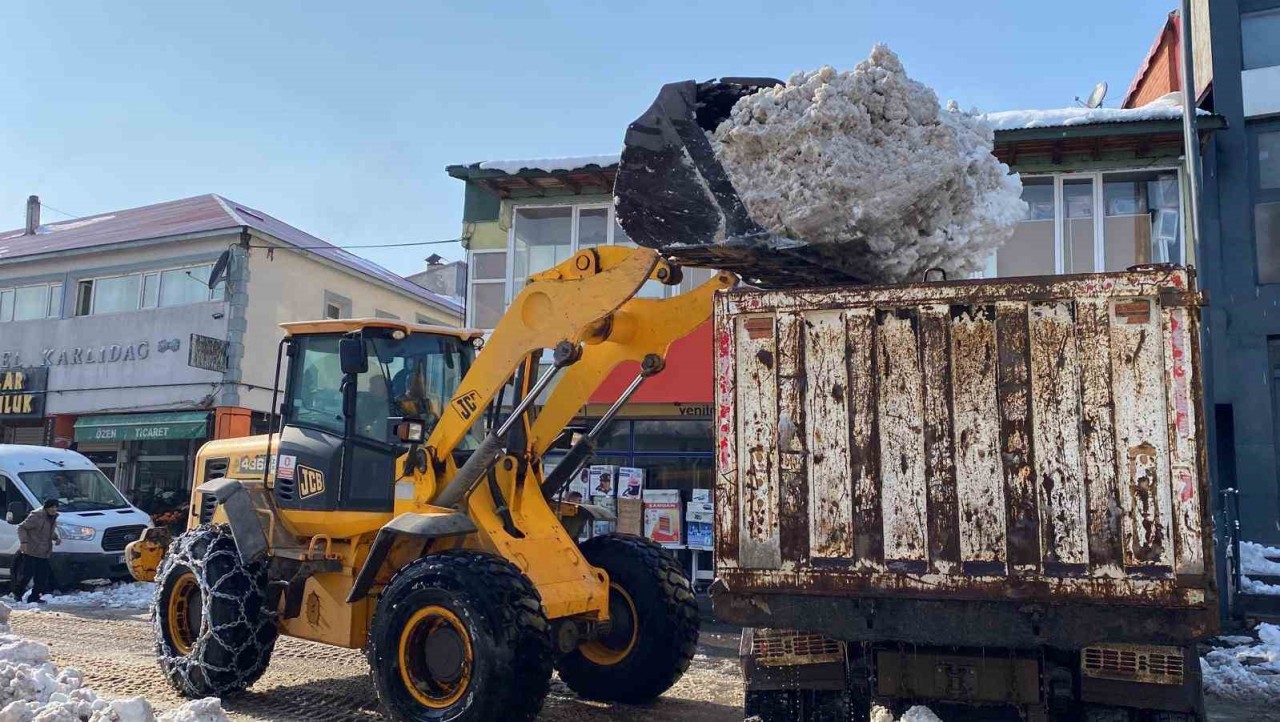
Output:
(308, 681)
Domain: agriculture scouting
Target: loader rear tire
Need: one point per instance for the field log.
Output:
(214, 632)
(655, 623)
(460, 636)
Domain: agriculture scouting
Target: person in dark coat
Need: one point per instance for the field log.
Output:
(38, 534)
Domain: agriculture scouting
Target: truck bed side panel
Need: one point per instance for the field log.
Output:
(1021, 440)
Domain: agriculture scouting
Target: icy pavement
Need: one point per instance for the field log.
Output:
(120, 595)
(869, 169)
(1243, 668)
(34, 689)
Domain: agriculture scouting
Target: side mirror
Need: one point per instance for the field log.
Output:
(411, 431)
(352, 356)
(18, 513)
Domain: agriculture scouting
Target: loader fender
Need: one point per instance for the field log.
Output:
(431, 525)
(246, 529)
(143, 555)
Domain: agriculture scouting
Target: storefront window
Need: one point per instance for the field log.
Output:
(593, 227)
(677, 472)
(161, 481)
(673, 435)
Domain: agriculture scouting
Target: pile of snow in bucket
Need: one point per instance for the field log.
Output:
(1244, 668)
(126, 595)
(34, 689)
(866, 166)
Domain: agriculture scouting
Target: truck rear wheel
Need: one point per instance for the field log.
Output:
(460, 636)
(214, 633)
(654, 624)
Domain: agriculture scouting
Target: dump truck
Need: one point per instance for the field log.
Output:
(989, 496)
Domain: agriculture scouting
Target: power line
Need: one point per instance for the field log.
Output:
(55, 210)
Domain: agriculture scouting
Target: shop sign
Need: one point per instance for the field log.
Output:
(208, 353)
(22, 393)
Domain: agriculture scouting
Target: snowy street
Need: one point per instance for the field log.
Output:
(107, 636)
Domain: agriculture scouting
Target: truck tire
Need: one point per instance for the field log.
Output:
(655, 624)
(214, 632)
(460, 636)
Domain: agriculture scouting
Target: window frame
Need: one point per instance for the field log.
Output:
(1097, 178)
(337, 300)
(49, 311)
(1258, 195)
(143, 275)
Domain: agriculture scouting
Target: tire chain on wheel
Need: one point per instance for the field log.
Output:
(248, 635)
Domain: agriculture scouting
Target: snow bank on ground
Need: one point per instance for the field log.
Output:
(34, 689)
(1167, 107)
(550, 164)
(1242, 668)
(866, 166)
(1254, 558)
(915, 714)
(128, 595)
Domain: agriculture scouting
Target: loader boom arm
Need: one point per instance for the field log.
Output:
(587, 303)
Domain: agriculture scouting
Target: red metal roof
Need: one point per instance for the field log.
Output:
(201, 214)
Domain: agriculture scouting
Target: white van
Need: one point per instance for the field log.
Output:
(95, 521)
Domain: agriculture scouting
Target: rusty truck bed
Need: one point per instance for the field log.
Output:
(1024, 454)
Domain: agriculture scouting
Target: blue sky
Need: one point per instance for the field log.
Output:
(339, 117)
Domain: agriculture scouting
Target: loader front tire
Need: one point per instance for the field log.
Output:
(214, 633)
(654, 624)
(460, 636)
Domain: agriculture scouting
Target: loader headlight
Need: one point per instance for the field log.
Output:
(76, 532)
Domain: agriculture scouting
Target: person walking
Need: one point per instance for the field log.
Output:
(38, 533)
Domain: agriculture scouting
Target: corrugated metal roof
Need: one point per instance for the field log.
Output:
(201, 214)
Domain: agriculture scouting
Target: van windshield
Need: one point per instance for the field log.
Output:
(75, 489)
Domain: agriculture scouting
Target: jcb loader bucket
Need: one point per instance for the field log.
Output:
(673, 195)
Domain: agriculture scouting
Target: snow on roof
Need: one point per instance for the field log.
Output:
(1167, 107)
(550, 165)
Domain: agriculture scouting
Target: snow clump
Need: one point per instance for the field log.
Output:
(871, 171)
(1244, 670)
(34, 689)
(127, 595)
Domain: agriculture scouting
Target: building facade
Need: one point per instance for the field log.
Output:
(113, 340)
(1236, 52)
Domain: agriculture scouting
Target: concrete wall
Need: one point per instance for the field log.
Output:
(292, 286)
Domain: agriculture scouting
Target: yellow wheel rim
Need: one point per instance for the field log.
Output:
(184, 613)
(435, 657)
(624, 630)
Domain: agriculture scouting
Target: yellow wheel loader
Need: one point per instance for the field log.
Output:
(400, 506)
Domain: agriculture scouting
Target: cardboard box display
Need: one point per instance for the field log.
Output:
(630, 482)
(631, 517)
(701, 495)
(662, 521)
(603, 479)
(579, 486)
(698, 535)
(699, 511)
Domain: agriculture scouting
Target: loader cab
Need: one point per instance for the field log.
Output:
(357, 395)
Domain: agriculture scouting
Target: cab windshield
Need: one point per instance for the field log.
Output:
(408, 378)
(75, 489)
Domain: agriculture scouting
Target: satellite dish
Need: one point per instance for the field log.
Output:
(1096, 97)
(219, 268)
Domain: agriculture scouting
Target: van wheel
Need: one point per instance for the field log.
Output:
(460, 636)
(214, 632)
(654, 624)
